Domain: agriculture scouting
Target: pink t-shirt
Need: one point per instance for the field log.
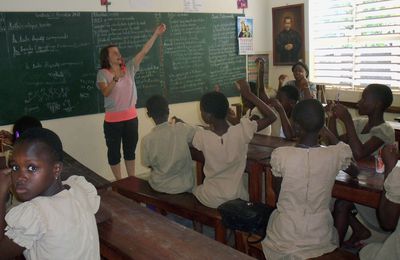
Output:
(120, 104)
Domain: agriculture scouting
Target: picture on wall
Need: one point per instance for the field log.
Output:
(245, 34)
(288, 34)
(242, 4)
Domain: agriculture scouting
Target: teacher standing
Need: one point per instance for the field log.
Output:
(116, 80)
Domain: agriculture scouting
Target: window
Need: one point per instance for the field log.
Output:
(355, 43)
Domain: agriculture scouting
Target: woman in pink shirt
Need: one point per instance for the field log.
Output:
(116, 80)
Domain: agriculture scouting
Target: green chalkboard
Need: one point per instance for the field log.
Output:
(49, 60)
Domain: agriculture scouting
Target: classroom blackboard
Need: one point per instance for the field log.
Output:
(49, 60)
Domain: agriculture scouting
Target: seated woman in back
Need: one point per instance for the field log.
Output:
(300, 73)
(302, 225)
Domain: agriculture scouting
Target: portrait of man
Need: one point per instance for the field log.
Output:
(288, 34)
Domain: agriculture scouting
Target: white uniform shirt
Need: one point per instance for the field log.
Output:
(62, 226)
(225, 162)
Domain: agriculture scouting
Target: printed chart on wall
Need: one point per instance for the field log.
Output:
(252, 69)
(245, 31)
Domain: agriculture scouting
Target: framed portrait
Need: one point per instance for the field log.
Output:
(288, 34)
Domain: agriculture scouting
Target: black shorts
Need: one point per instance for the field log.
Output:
(125, 131)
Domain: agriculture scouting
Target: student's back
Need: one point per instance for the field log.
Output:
(166, 151)
(225, 147)
(302, 225)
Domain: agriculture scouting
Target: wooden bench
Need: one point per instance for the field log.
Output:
(184, 204)
(134, 232)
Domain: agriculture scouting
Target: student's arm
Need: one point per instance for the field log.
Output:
(147, 46)
(269, 115)
(359, 149)
(332, 124)
(328, 135)
(282, 78)
(260, 80)
(304, 88)
(232, 117)
(286, 126)
(388, 212)
(8, 249)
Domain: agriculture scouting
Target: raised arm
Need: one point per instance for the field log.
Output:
(304, 88)
(269, 115)
(388, 212)
(147, 46)
(286, 125)
(359, 149)
(282, 78)
(260, 80)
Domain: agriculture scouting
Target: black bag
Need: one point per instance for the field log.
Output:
(250, 217)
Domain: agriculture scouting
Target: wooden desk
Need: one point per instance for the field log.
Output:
(72, 166)
(366, 189)
(258, 156)
(135, 232)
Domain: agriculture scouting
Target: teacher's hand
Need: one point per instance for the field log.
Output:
(160, 29)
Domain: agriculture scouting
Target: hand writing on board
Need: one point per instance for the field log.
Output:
(160, 30)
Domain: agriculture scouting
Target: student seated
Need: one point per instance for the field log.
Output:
(286, 98)
(302, 225)
(365, 137)
(20, 126)
(56, 219)
(166, 151)
(388, 212)
(225, 147)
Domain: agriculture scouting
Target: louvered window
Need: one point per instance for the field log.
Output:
(355, 43)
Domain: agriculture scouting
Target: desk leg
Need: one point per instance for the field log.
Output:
(108, 253)
(270, 199)
(220, 232)
(255, 171)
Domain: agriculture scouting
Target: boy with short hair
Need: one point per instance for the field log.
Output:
(166, 151)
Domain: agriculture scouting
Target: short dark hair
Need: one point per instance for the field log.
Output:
(382, 93)
(305, 67)
(157, 106)
(46, 137)
(23, 123)
(309, 114)
(215, 103)
(104, 61)
(291, 92)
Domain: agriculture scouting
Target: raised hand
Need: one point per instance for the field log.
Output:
(390, 156)
(160, 29)
(5, 182)
(243, 87)
(341, 112)
(282, 78)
